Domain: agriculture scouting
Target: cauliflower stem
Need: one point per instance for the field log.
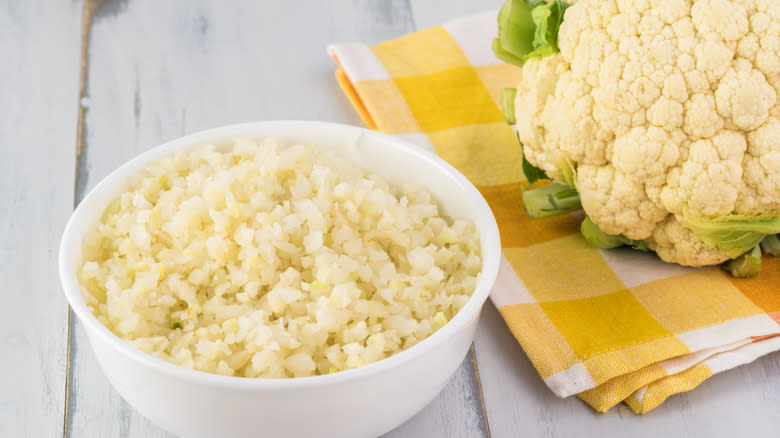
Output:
(528, 28)
(771, 245)
(599, 239)
(733, 236)
(551, 200)
(746, 265)
(507, 101)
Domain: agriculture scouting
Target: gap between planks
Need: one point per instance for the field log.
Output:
(478, 384)
(88, 11)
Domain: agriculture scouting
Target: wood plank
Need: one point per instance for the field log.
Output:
(39, 42)
(456, 413)
(432, 13)
(157, 70)
(741, 402)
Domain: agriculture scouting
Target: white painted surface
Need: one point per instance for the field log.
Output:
(429, 13)
(39, 46)
(739, 403)
(161, 69)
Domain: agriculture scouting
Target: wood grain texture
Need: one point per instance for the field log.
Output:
(455, 413)
(38, 86)
(429, 13)
(741, 402)
(157, 70)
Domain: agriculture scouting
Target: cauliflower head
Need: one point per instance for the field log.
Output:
(664, 115)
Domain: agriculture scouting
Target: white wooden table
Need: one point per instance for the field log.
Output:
(87, 84)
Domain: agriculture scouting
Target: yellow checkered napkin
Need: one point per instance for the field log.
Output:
(608, 325)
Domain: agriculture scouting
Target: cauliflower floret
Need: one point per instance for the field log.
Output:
(745, 97)
(674, 242)
(532, 95)
(660, 106)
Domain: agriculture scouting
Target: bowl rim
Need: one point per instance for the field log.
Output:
(490, 248)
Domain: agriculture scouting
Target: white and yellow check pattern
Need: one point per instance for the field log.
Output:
(607, 325)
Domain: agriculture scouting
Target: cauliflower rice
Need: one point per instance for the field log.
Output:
(270, 261)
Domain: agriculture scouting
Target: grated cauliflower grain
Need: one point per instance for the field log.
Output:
(269, 261)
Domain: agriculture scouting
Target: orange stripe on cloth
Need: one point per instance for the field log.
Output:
(354, 98)
(764, 288)
(516, 228)
(755, 339)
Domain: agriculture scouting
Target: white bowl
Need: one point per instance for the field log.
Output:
(362, 402)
